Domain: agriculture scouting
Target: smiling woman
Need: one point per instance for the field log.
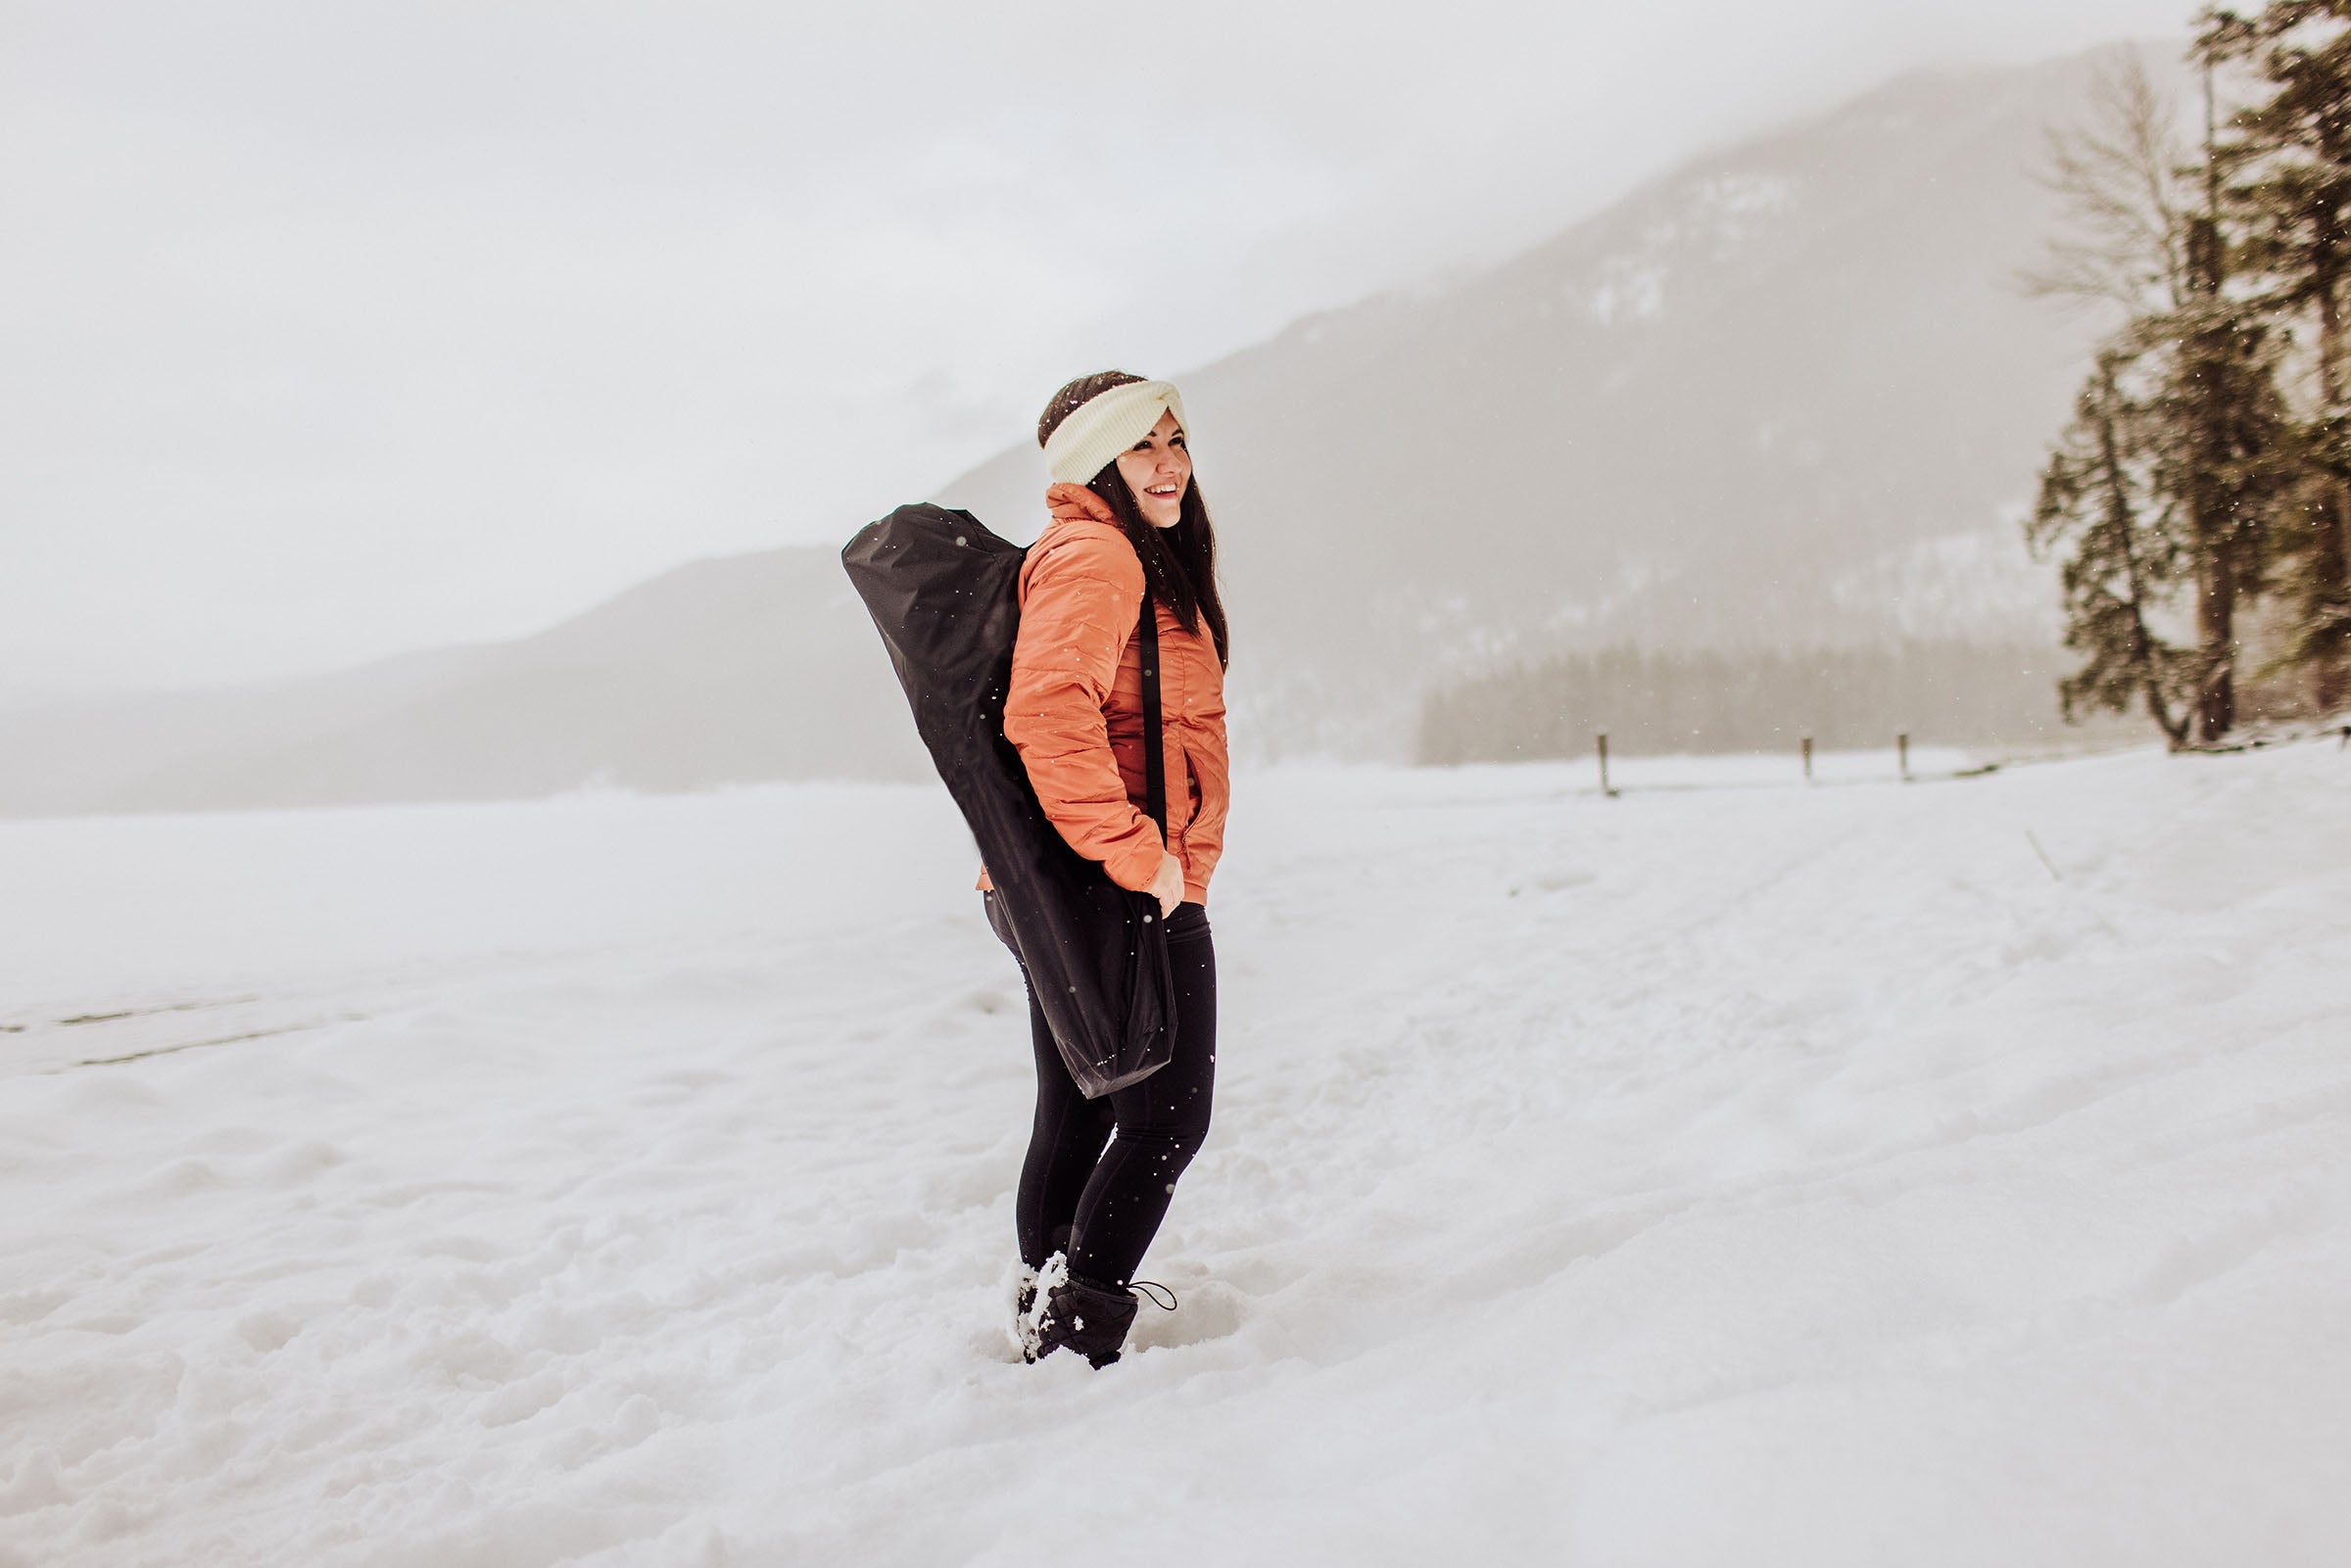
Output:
(1129, 535)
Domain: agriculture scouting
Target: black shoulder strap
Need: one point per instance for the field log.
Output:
(1155, 757)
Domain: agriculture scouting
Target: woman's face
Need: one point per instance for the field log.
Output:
(1158, 469)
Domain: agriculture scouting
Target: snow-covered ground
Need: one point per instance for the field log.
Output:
(1952, 1174)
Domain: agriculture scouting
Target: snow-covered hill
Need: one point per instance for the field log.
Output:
(1730, 1173)
(751, 667)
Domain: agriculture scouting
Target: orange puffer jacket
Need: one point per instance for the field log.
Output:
(1074, 710)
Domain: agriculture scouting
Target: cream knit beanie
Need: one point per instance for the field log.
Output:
(1107, 424)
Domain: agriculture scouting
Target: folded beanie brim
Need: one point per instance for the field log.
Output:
(1106, 424)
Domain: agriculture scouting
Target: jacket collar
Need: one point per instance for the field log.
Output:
(1072, 504)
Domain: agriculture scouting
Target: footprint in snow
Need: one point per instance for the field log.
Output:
(1209, 1310)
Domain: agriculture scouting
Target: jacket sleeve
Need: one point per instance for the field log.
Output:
(1081, 597)
(1204, 838)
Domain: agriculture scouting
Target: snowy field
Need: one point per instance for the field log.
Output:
(1749, 1174)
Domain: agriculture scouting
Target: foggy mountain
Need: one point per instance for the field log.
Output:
(746, 667)
(1786, 398)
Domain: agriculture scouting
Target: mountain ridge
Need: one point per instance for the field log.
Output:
(1823, 316)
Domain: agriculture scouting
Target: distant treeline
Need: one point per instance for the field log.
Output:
(1938, 693)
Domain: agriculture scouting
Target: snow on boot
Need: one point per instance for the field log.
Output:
(1090, 1318)
(1036, 1288)
(1025, 1295)
(1020, 1294)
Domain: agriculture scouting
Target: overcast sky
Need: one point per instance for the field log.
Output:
(334, 330)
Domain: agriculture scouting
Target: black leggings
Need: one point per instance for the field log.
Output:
(1101, 1197)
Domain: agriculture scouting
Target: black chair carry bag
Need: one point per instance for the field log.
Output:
(944, 594)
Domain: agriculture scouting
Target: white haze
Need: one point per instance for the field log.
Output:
(326, 332)
(1784, 397)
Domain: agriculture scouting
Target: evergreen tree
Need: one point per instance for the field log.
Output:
(2294, 143)
(2185, 390)
(2124, 555)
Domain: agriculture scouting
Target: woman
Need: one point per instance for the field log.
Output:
(1126, 513)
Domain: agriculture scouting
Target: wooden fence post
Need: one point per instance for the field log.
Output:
(1603, 766)
(1901, 750)
(1807, 759)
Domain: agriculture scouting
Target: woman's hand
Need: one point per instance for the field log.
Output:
(1167, 885)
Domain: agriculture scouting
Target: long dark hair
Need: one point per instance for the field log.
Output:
(1179, 562)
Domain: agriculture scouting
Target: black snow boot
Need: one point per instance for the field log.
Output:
(1090, 1318)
